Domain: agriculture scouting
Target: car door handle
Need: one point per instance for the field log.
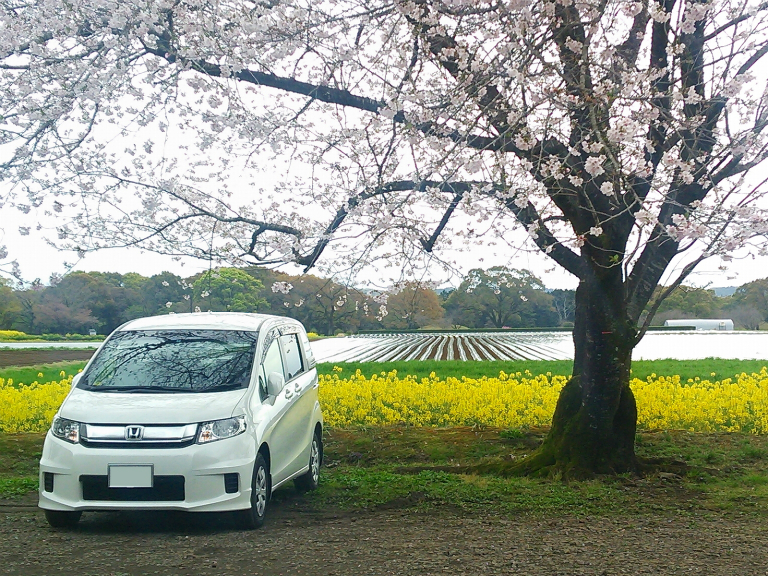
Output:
(290, 392)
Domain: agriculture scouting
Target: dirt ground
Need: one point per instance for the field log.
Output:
(34, 357)
(300, 541)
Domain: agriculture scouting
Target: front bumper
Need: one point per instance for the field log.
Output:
(202, 466)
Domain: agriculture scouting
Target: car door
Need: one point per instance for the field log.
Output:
(300, 383)
(287, 419)
(274, 408)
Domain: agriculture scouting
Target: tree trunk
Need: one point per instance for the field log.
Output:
(593, 429)
(330, 324)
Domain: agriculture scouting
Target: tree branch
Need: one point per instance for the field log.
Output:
(429, 244)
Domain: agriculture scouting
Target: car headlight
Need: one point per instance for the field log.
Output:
(220, 429)
(67, 430)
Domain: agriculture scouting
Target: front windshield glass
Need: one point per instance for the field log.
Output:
(172, 361)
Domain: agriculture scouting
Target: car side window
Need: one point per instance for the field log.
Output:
(273, 362)
(292, 351)
(309, 358)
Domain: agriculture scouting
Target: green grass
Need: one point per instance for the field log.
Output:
(474, 369)
(410, 467)
(19, 458)
(382, 488)
(399, 466)
(28, 374)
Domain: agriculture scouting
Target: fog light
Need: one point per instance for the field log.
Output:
(231, 483)
(48, 481)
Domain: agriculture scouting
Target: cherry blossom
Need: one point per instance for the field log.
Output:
(341, 135)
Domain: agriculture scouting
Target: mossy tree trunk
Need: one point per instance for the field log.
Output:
(593, 429)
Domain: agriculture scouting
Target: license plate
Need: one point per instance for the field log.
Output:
(129, 476)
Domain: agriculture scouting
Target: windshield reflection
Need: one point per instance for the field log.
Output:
(172, 361)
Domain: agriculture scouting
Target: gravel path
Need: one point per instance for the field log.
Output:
(297, 541)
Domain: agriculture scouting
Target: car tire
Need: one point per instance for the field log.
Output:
(311, 480)
(60, 519)
(254, 516)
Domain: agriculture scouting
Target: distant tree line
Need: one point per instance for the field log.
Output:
(497, 297)
(747, 306)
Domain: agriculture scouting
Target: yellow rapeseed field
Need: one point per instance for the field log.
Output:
(522, 400)
(11, 334)
(30, 407)
(519, 400)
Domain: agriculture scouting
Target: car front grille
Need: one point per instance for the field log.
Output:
(165, 489)
(149, 436)
(136, 445)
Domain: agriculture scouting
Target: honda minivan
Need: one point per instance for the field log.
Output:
(206, 412)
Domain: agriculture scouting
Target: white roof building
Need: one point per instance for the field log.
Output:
(703, 324)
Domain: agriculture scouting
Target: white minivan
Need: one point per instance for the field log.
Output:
(201, 412)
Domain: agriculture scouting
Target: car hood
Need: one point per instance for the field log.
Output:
(152, 408)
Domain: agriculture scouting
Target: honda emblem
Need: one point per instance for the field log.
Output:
(134, 432)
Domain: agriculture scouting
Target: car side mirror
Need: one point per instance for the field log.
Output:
(76, 379)
(275, 383)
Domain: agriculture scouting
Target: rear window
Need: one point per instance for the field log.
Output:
(172, 361)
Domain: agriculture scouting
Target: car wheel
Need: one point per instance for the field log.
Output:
(59, 519)
(311, 479)
(254, 516)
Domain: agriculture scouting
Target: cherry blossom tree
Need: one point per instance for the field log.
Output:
(620, 135)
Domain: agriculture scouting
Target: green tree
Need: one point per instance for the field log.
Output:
(500, 297)
(159, 291)
(103, 294)
(228, 289)
(688, 302)
(322, 304)
(10, 307)
(753, 295)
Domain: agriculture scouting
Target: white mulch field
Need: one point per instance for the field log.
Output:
(684, 345)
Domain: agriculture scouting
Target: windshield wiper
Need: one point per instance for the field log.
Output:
(136, 389)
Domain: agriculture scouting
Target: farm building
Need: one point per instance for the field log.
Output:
(703, 324)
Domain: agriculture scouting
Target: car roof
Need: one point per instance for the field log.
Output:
(203, 321)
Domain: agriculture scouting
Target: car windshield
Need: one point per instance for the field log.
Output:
(172, 361)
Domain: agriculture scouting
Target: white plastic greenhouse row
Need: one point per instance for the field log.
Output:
(685, 345)
(465, 346)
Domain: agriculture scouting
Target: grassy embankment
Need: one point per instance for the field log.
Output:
(388, 466)
(686, 369)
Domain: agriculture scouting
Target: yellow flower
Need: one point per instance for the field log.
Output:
(738, 404)
(518, 400)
